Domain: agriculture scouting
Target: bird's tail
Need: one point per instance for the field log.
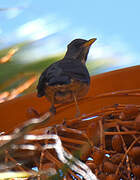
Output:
(40, 90)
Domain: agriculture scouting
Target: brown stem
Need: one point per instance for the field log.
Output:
(13, 160)
(125, 149)
(121, 133)
(102, 137)
(40, 163)
(126, 155)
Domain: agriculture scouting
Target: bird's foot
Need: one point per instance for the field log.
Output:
(64, 123)
(53, 110)
(31, 113)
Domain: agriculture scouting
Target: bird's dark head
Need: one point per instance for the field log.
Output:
(79, 48)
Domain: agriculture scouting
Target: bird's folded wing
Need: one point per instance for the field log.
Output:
(62, 72)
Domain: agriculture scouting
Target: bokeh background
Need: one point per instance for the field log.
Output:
(39, 31)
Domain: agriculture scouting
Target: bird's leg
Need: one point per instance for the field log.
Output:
(52, 108)
(77, 107)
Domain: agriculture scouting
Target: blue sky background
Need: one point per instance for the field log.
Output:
(55, 23)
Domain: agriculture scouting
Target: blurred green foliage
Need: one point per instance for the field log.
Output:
(15, 72)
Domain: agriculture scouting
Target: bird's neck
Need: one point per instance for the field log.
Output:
(68, 56)
(74, 59)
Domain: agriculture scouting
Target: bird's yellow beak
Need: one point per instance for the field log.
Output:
(90, 42)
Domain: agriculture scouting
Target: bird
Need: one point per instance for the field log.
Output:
(67, 79)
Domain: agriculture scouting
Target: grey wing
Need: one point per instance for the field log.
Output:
(62, 72)
(53, 75)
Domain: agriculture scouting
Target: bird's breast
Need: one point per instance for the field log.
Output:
(64, 93)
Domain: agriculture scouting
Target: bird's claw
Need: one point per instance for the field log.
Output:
(53, 110)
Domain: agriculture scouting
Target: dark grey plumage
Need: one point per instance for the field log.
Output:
(61, 72)
(68, 78)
